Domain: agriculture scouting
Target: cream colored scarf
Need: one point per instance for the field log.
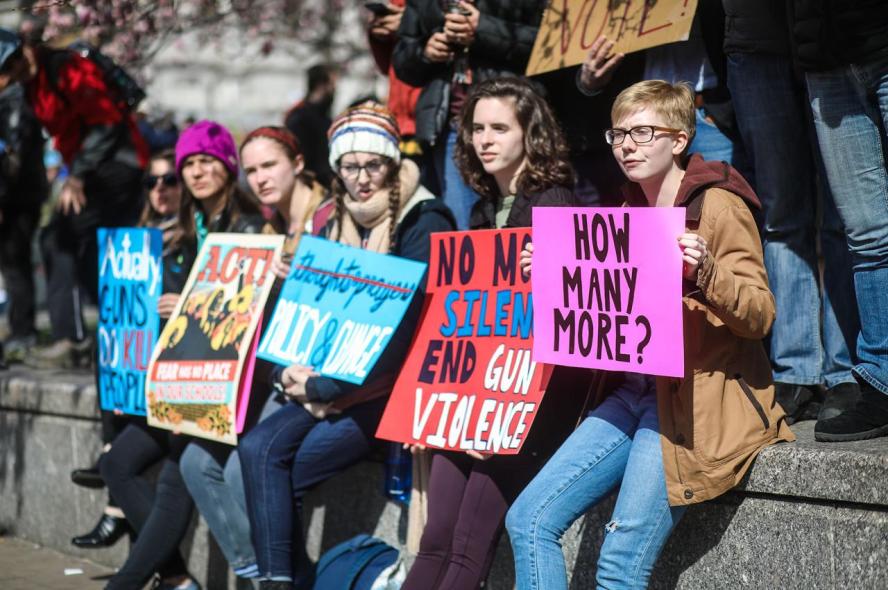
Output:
(374, 214)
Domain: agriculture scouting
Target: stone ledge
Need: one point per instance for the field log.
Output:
(839, 472)
(61, 393)
(853, 472)
(810, 515)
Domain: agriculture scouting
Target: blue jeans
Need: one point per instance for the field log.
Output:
(620, 440)
(457, 195)
(216, 485)
(212, 473)
(812, 339)
(282, 458)
(850, 106)
(710, 142)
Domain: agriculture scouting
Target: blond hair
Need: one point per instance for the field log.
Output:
(673, 102)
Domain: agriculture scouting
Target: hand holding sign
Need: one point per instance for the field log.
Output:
(294, 379)
(280, 269)
(524, 261)
(166, 304)
(600, 65)
(694, 252)
(569, 29)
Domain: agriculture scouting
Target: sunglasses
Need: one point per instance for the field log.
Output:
(11, 61)
(168, 179)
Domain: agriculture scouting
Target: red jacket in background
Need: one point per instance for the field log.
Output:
(402, 96)
(81, 114)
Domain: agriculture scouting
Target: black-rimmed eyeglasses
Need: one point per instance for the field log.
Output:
(373, 168)
(640, 134)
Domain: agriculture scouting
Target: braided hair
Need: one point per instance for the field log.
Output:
(394, 206)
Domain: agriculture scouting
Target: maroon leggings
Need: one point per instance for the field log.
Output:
(468, 501)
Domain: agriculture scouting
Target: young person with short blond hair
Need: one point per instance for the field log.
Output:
(665, 443)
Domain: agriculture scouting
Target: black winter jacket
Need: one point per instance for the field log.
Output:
(23, 184)
(568, 387)
(483, 214)
(178, 262)
(831, 33)
(309, 122)
(503, 42)
(412, 242)
(756, 26)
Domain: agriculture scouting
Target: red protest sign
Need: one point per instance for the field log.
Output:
(469, 382)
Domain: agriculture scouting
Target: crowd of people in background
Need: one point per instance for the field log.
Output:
(767, 125)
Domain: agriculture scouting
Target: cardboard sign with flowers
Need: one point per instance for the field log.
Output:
(200, 371)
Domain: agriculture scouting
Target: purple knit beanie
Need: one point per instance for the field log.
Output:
(210, 138)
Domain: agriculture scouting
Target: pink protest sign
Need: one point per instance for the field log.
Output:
(607, 288)
(244, 391)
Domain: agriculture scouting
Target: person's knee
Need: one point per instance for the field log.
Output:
(194, 465)
(231, 471)
(517, 520)
(115, 466)
(437, 537)
(251, 447)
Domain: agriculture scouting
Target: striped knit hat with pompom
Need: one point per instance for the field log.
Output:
(368, 127)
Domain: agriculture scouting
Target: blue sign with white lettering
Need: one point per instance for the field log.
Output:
(130, 284)
(339, 308)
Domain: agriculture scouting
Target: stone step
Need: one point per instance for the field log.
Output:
(809, 515)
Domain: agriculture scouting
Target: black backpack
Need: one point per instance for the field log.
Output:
(124, 88)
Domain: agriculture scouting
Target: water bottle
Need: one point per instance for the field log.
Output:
(398, 473)
(462, 72)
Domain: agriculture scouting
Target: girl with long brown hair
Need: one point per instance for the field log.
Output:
(510, 150)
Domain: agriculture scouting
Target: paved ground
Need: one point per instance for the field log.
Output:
(25, 566)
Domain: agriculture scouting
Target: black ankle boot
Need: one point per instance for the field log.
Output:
(107, 531)
(794, 399)
(838, 400)
(275, 585)
(867, 419)
(88, 477)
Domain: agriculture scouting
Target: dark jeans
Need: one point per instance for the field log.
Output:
(468, 501)
(16, 264)
(283, 457)
(70, 251)
(161, 515)
(112, 426)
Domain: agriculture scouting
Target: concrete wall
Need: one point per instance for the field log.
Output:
(810, 516)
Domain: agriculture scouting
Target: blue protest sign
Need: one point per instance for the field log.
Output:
(130, 283)
(339, 308)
